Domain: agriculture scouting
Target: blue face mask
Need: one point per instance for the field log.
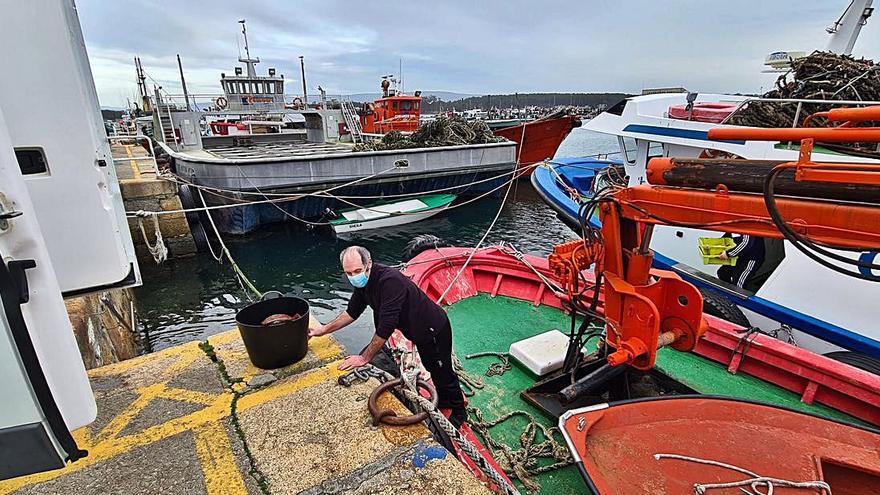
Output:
(360, 280)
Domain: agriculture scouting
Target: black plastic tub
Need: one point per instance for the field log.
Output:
(275, 346)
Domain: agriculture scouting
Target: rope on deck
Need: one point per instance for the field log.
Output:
(523, 462)
(495, 369)
(754, 482)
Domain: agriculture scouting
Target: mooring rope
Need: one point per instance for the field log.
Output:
(159, 250)
(243, 279)
(409, 373)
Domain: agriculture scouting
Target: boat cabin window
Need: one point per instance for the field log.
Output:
(417, 105)
(394, 106)
(627, 149)
(31, 161)
(406, 105)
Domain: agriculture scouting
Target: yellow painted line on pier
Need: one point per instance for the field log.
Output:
(222, 476)
(264, 395)
(213, 447)
(133, 163)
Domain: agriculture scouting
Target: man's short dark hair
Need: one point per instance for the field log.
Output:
(362, 251)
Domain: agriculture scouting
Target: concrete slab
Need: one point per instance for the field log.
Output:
(166, 425)
(230, 348)
(320, 439)
(154, 468)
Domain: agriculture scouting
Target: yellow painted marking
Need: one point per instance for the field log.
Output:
(118, 423)
(188, 396)
(222, 476)
(215, 456)
(288, 387)
(134, 167)
(190, 350)
(325, 348)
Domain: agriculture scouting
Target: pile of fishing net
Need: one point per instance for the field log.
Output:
(442, 131)
(818, 76)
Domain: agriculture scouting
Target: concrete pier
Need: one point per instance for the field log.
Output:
(142, 189)
(200, 419)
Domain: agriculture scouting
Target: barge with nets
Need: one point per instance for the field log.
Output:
(262, 159)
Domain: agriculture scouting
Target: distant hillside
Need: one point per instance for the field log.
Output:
(486, 102)
(443, 95)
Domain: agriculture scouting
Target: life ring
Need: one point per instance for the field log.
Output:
(297, 102)
(221, 102)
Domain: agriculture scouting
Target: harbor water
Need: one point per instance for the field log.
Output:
(193, 298)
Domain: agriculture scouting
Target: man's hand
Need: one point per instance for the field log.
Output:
(317, 331)
(352, 362)
(723, 255)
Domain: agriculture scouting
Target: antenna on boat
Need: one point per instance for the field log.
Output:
(250, 62)
(845, 30)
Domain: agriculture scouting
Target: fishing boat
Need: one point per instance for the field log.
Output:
(254, 145)
(502, 297)
(689, 444)
(806, 313)
(536, 140)
(391, 213)
(782, 298)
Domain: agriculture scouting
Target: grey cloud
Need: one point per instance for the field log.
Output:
(464, 46)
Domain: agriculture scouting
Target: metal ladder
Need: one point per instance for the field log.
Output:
(352, 121)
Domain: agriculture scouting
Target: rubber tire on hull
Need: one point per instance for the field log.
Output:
(856, 360)
(717, 305)
(188, 201)
(420, 243)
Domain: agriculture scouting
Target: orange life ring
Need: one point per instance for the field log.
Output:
(221, 102)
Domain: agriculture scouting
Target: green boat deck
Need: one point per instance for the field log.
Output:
(483, 323)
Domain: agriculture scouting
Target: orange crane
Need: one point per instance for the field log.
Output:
(645, 308)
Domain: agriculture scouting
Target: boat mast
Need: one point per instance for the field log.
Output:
(250, 62)
(183, 83)
(845, 31)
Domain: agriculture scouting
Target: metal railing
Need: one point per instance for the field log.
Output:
(151, 157)
(800, 103)
(208, 102)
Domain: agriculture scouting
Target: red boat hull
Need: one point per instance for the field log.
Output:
(538, 140)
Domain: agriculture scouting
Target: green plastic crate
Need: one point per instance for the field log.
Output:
(712, 247)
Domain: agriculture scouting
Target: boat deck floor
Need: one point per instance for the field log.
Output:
(482, 323)
(276, 149)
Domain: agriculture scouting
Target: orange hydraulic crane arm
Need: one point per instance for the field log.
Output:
(645, 308)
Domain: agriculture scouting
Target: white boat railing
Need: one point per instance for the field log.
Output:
(211, 102)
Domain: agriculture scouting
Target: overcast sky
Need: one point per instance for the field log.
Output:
(463, 46)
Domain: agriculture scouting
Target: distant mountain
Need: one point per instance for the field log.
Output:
(519, 100)
(443, 95)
